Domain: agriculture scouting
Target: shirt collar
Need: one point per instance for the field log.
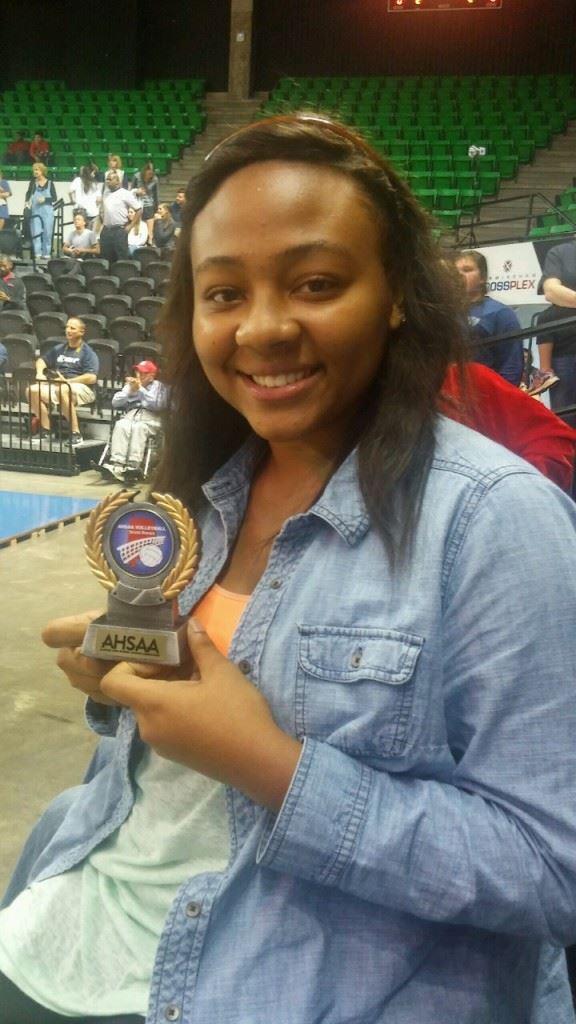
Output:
(340, 505)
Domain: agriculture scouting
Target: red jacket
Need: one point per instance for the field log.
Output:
(514, 419)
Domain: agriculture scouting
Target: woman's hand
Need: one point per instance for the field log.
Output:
(66, 635)
(214, 720)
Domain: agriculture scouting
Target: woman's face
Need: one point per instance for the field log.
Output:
(292, 305)
(113, 163)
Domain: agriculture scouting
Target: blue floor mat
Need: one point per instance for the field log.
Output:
(22, 513)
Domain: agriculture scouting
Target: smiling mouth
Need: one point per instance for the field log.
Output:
(279, 380)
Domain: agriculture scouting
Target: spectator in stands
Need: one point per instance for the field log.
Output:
(176, 208)
(12, 290)
(487, 319)
(81, 241)
(3, 358)
(145, 186)
(72, 362)
(18, 151)
(137, 231)
(5, 193)
(164, 228)
(40, 149)
(116, 202)
(142, 398)
(86, 193)
(40, 197)
(367, 769)
(114, 163)
(559, 281)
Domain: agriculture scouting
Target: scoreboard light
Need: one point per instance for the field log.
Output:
(406, 6)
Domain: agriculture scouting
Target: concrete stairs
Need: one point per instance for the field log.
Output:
(223, 115)
(551, 171)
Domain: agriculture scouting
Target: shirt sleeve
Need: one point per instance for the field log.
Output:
(552, 265)
(121, 398)
(89, 362)
(153, 397)
(490, 842)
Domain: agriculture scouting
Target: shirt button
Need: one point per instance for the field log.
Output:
(192, 910)
(275, 584)
(356, 659)
(245, 666)
(172, 1013)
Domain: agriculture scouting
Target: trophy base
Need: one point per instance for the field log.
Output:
(112, 642)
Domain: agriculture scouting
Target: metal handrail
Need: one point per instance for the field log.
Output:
(530, 216)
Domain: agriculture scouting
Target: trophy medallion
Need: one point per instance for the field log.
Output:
(144, 553)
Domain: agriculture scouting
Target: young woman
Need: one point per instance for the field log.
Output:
(357, 804)
(41, 196)
(137, 231)
(164, 228)
(145, 187)
(86, 193)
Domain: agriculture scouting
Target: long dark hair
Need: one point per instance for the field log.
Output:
(396, 433)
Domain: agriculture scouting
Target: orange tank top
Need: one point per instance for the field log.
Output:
(219, 612)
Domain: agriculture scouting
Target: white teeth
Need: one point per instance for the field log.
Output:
(281, 380)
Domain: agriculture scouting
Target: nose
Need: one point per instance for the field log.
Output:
(267, 322)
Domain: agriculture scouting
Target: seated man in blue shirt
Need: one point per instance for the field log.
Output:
(74, 363)
(488, 318)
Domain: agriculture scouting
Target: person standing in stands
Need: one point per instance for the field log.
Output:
(559, 274)
(73, 363)
(40, 197)
(116, 202)
(145, 186)
(488, 318)
(86, 193)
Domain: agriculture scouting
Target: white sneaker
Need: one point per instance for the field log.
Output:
(112, 469)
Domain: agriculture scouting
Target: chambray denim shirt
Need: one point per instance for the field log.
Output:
(422, 869)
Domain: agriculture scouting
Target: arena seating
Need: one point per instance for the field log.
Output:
(154, 122)
(426, 124)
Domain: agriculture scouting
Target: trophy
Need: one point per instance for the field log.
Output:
(144, 553)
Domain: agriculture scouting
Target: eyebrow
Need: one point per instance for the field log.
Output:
(295, 252)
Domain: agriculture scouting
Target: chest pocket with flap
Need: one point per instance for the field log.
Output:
(355, 687)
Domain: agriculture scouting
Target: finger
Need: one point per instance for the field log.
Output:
(69, 631)
(204, 653)
(83, 673)
(127, 685)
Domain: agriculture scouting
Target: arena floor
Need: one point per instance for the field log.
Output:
(44, 744)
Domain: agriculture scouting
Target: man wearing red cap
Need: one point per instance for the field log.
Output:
(143, 397)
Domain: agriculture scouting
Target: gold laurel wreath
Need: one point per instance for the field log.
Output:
(93, 540)
(185, 566)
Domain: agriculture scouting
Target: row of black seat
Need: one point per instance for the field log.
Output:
(125, 328)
